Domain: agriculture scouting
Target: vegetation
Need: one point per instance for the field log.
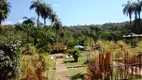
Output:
(81, 60)
(25, 47)
(4, 10)
(77, 74)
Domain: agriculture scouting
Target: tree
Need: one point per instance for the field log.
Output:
(43, 40)
(4, 10)
(128, 10)
(137, 10)
(37, 5)
(28, 20)
(57, 25)
(53, 18)
(46, 11)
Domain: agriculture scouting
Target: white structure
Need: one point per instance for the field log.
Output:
(133, 35)
(52, 57)
(67, 56)
(79, 46)
(71, 56)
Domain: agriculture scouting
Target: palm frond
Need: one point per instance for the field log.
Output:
(128, 9)
(5, 9)
(25, 18)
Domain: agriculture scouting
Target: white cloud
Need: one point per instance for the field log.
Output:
(55, 5)
(7, 23)
(20, 21)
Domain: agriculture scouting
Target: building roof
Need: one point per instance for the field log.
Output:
(59, 45)
(133, 35)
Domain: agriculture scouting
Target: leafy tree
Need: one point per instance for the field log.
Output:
(43, 40)
(4, 10)
(75, 55)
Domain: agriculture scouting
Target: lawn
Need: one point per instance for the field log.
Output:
(77, 73)
(51, 74)
(51, 62)
(70, 61)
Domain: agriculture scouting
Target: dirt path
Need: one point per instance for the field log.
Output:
(61, 70)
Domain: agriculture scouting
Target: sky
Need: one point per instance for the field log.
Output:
(73, 12)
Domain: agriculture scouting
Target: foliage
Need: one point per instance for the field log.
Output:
(133, 43)
(10, 47)
(28, 21)
(74, 52)
(33, 66)
(4, 10)
(93, 71)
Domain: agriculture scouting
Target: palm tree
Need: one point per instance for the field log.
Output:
(28, 20)
(128, 10)
(53, 18)
(137, 10)
(37, 6)
(4, 10)
(46, 11)
(57, 25)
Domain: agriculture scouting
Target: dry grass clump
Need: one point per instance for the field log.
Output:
(33, 66)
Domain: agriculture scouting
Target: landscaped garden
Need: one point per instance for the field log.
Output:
(35, 50)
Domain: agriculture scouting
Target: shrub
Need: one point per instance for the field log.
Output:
(9, 55)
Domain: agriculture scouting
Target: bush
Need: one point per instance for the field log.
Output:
(8, 62)
(9, 55)
(132, 42)
(75, 52)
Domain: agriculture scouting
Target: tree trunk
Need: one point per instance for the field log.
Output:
(0, 27)
(56, 35)
(0, 23)
(28, 36)
(38, 21)
(139, 25)
(44, 22)
(131, 30)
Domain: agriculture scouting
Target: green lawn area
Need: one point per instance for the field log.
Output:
(77, 73)
(82, 59)
(51, 62)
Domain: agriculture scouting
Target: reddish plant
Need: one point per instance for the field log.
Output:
(101, 62)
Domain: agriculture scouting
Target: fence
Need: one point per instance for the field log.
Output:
(120, 71)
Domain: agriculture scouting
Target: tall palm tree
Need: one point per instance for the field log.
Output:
(57, 25)
(137, 10)
(128, 10)
(28, 20)
(4, 10)
(37, 6)
(46, 11)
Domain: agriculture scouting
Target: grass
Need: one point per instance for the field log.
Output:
(51, 75)
(77, 73)
(51, 62)
(70, 61)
